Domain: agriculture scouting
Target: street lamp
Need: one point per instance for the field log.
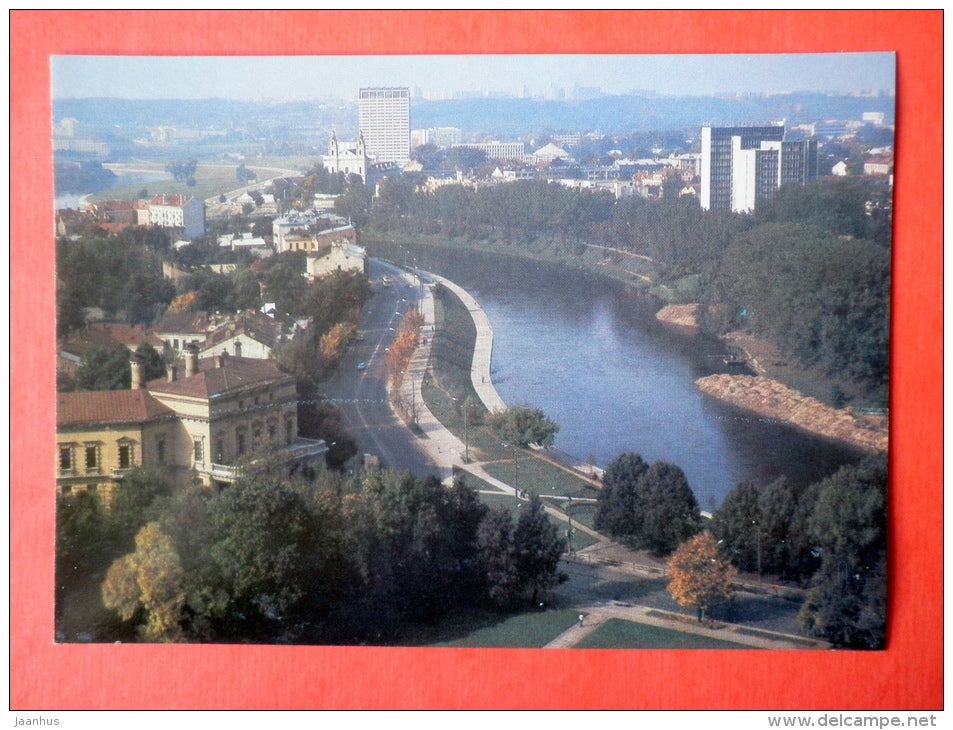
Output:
(516, 466)
(466, 428)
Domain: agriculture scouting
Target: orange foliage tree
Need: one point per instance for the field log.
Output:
(333, 343)
(700, 574)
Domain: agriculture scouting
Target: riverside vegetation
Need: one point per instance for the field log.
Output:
(809, 271)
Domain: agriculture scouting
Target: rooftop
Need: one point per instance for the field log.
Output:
(108, 407)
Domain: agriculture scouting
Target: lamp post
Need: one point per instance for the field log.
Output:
(516, 466)
(466, 428)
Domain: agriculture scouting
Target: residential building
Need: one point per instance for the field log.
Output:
(310, 231)
(206, 419)
(181, 215)
(384, 122)
(101, 435)
(740, 165)
(343, 256)
(504, 151)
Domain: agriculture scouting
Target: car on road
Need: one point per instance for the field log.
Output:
(362, 366)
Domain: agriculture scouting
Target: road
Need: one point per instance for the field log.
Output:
(361, 395)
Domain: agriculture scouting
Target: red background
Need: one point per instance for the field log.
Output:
(907, 676)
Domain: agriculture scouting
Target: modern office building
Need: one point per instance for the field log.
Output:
(740, 165)
(384, 121)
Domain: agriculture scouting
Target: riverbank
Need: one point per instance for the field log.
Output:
(771, 399)
(743, 353)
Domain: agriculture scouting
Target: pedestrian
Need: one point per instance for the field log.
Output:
(581, 618)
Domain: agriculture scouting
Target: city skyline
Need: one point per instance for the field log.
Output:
(328, 77)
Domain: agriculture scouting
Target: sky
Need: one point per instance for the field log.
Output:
(315, 77)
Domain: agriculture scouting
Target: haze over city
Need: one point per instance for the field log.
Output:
(314, 77)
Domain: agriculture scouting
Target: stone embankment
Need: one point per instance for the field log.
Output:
(771, 399)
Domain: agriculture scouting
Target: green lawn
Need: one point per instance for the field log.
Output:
(529, 630)
(620, 634)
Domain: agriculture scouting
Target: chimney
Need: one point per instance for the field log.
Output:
(191, 359)
(220, 360)
(170, 373)
(238, 348)
(136, 369)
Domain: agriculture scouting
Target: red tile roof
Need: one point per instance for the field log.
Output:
(236, 373)
(107, 407)
(173, 200)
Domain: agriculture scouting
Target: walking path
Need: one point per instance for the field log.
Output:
(596, 616)
(447, 452)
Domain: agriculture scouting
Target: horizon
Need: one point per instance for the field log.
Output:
(278, 78)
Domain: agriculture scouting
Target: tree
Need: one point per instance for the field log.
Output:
(105, 369)
(151, 361)
(699, 574)
(538, 548)
(736, 525)
(497, 555)
(846, 603)
(522, 426)
(182, 169)
(668, 510)
(617, 500)
(264, 548)
(150, 580)
(648, 507)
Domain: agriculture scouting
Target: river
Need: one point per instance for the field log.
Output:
(591, 355)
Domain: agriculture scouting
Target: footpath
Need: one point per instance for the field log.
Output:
(447, 452)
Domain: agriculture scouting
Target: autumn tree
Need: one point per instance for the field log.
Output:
(700, 575)
(151, 581)
(333, 344)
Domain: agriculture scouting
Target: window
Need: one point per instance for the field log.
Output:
(125, 456)
(66, 458)
(160, 450)
(240, 438)
(92, 457)
(198, 453)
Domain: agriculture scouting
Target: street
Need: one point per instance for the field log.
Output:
(361, 395)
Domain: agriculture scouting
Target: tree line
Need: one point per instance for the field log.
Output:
(829, 537)
(808, 270)
(320, 558)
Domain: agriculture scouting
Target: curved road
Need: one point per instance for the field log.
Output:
(361, 394)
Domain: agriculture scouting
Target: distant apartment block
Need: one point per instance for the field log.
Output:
(384, 122)
(497, 150)
(179, 213)
(438, 136)
(740, 165)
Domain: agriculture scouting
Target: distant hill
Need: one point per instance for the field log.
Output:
(502, 118)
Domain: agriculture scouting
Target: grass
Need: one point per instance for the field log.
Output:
(211, 180)
(775, 637)
(621, 634)
(448, 385)
(529, 630)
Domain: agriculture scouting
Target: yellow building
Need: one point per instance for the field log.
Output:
(101, 435)
(205, 419)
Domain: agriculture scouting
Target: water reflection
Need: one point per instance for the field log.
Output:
(594, 359)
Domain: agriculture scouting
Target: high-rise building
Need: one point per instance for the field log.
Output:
(384, 121)
(740, 165)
